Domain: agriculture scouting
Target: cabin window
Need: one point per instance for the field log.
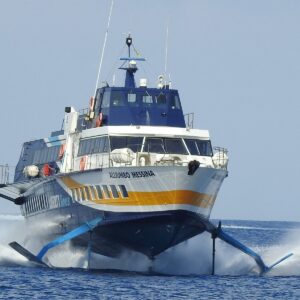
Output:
(93, 145)
(123, 191)
(114, 191)
(87, 192)
(155, 145)
(44, 202)
(199, 147)
(131, 142)
(147, 99)
(78, 193)
(106, 191)
(83, 194)
(105, 100)
(131, 98)
(49, 154)
(161, 99)
(99, 192)
(117, 99)
(174, 102)
(92, 192)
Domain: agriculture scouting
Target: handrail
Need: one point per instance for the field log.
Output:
(220, 157)
(189, 120)
(5, 174)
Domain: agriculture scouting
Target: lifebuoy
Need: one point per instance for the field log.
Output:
(99, 120)
(61, 151)
(46, 170)
(82, 163)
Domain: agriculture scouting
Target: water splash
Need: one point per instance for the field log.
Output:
(290, 243)
(190, 257)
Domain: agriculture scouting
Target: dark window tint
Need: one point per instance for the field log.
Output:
(87, 192)
(199, 147)
(174, 102)
(118, 142)
(83, 194)
(117, 99)
(192, 146)
(49, 154)
(106, 191)
(114, 191)
(161, 99)
(92, 192)
(155, 145)
(79, 197)
(94, 145)
(165, 145)
(205, 148)
(74, 196)
(99, 192)
(105, 100)
(123, 191)
(175, 146)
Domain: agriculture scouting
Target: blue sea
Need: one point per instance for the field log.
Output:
(181, 273)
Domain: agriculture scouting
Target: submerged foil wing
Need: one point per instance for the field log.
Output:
(217, 232)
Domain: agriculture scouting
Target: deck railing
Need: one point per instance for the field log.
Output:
(219, 159)
(5, 174)
(189, 120)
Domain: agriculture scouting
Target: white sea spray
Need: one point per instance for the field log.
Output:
(190, 257)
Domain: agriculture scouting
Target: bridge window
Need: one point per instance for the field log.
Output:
(174, 102)
(131, 98)
(147, 99)
(161, 99)
(199, 147)
(117, 99)
(105, 100)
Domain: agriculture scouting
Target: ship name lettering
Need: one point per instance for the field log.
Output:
(119, 175)
(142, 174)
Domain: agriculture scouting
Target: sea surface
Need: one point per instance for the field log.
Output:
(181, 273)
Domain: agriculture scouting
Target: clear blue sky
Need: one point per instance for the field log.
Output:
(236, 65)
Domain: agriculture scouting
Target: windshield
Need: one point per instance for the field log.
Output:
(165, 145)
(131, 142)
(199, 147)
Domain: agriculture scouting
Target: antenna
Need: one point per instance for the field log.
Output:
(166, 52)
(103, 48)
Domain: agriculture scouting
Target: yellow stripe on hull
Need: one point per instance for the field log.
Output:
(177, 197)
